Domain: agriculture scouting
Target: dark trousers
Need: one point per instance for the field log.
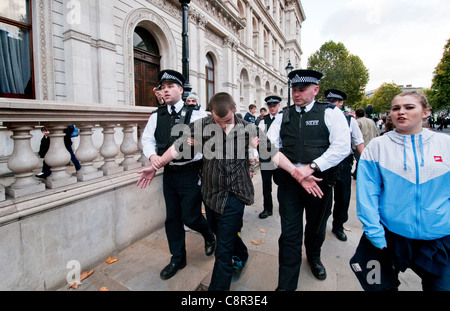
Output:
(73, 158)
(183, 206)
(266, 176)
(226, 226)
(293, 199)
(342, 194)
(47, 170)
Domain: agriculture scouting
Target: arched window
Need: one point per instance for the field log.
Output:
(146, 67)
(16, 58)
(210, 83)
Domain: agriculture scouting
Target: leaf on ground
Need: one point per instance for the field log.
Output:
(262, 230)
(85, 274)
(104, 289)
(111, 260)
(74, 285)
(347, 229)
(257, 242)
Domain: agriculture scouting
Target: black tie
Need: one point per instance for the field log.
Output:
(302, 110)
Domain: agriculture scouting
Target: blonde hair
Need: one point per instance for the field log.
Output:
(422, 98)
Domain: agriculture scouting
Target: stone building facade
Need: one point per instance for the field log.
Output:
(92, 51)
(94, 64)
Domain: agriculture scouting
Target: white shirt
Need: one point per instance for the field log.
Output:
(148, 137)
(339, 137)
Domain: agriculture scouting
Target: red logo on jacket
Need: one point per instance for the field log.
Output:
(438, 159)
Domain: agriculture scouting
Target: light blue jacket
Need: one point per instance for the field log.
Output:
(403, 183)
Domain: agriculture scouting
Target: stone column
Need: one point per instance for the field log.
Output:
(109, 150)
(22, 162)
(57, 158)
(143, 159)
(129, 148)
(86, 154)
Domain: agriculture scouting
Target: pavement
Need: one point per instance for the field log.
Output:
(138, 266)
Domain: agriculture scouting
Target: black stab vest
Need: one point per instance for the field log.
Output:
(305, 137)
(164, 125)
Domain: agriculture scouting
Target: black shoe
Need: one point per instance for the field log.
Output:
(170, 270)
(318, 270)
(210, 247)
(265, 214)
(41, 175)
(340, 234)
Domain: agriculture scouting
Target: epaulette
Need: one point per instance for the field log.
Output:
(329, 105)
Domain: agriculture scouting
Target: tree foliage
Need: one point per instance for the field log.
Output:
(341, 70)
(439, 95)
(382, 98)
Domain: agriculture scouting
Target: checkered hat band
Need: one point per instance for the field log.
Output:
(170, 77)
(298, 79)
(272, 101)
(332, 95)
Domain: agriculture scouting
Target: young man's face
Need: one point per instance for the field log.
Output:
(172, 92)
(223, 122)
(253, 110)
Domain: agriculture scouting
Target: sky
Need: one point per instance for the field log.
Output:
(399, 41)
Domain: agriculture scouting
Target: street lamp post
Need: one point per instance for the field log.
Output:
(289, 68)
(185, 46)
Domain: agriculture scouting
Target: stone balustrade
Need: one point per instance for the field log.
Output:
(21, 117)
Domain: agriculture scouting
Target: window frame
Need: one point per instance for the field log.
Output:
(210, 70)
(29, 27)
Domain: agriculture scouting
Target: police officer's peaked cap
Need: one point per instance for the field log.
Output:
(272, 100)
(304, 77)
(334, 94)
(171, 75)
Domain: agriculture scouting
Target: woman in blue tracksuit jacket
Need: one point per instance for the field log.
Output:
(403, 193)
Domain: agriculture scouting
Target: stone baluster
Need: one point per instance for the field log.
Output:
(57, 158)
(86, 154)
(143, 159)
(22, 162)
(129, 148)
(109, 150)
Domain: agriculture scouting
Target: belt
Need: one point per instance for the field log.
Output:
(184, 167)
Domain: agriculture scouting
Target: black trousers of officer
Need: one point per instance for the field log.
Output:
(293, 200)
(183, 198)
(342, 193)
(266, 177)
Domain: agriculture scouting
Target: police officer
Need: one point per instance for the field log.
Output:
(315, 137)
(181, 177)
(343, 187)
(273, 104)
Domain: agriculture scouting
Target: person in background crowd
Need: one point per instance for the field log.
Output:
(250, 115)
(343, 187)
(369, 131)
(43, 148)
(193, 99)
(262, 114)
(273, 104)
